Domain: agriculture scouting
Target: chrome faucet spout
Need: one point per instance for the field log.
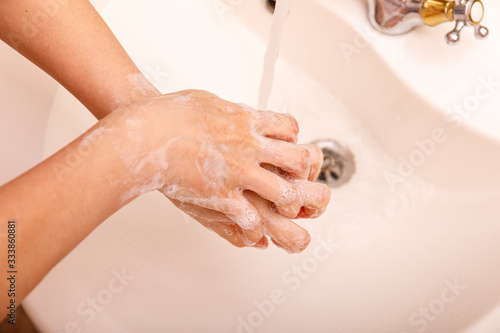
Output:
(396, 17)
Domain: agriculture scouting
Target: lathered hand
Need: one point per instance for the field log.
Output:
(207, 154)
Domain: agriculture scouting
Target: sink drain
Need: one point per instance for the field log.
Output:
(338, 163)
(271, 4)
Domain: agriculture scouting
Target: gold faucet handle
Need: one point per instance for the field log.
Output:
(467, 13)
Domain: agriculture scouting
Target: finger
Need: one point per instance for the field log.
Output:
(316, 161)
(201, 214)
(279, 126)
(214, 221)
(275, 189)
(232, 233)
(291, 237)
(278, 245)
(236, 209)
(315, 198)
(246, 216)
(292, 158)
(288, 235)
(262, 244)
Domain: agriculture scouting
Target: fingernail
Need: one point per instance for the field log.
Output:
(262, 243)
(260, 246)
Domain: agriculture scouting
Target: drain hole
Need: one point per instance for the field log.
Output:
(322, 177)
(338, 163)
(271, 4)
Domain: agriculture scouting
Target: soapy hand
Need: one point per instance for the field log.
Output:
(230, 167)
(283, 232)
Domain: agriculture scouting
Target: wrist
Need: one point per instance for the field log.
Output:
(139, 146)
(128, 90)
(137, 87)
(118, 93)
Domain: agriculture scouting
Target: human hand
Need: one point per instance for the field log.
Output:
(283, 232)
(202, 151)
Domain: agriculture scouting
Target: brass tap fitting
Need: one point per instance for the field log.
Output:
(396, 17)
(464, 12)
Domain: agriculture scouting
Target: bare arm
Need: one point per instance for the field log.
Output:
(56, 206)
(70, 41)
(130, 152)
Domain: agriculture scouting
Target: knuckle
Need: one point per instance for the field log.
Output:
(202, 93)
(198, 94)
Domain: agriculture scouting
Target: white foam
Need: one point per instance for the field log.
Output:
(154, 183)
(93, 138)
(183, 99)
(141, 86)
(210, 162)
(287, 195)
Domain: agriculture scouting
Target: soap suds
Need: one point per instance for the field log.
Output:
(211, 163)
(93, 138)
(183, 99)
(287, 195)
(140, 86)
(158, 157)
(156, 182)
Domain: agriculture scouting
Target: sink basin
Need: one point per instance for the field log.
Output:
(408, 245)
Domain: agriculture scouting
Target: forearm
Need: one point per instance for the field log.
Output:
(71, 42)
(182, 144)
(59, 202)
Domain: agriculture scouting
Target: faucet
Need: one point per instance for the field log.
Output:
(396, 17)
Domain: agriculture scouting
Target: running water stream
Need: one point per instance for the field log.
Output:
(370, 205)
(272, 52)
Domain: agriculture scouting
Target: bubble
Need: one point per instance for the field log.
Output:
(287, 195)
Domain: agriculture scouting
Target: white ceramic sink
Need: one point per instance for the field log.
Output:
(409, 245)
